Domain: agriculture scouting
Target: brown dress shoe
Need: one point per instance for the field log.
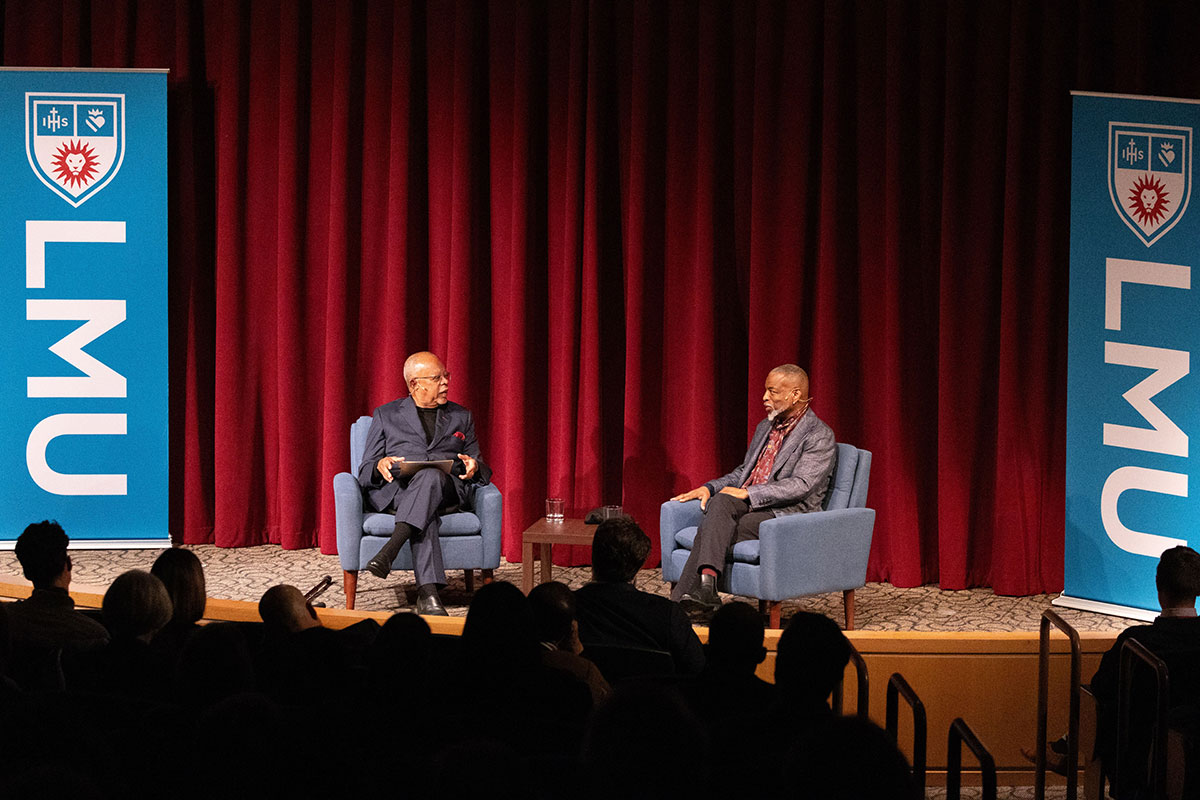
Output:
(1055, 762)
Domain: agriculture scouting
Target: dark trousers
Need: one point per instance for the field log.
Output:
(427, 493)
(727, 521)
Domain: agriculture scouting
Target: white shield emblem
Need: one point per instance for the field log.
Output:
(75, 142)
(1149, 176)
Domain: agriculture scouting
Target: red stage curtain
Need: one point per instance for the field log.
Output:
(611, 219)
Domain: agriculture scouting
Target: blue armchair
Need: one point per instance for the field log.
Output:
(470, 540)
(796, 554)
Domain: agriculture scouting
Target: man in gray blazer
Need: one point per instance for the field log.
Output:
(425, 426)
(786, 471)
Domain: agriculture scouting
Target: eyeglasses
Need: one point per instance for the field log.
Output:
(441, 376)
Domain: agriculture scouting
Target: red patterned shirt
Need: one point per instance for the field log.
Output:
(766, 459)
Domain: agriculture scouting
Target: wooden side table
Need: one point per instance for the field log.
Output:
(545, 533)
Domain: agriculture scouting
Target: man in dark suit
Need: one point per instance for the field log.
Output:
(786, 471)
(613, 612)
(425, 426)
(1174, 636)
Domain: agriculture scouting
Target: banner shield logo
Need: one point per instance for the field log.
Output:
(1149, 176)
(75, 142)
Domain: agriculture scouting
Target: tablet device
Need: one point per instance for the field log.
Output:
(409, 468)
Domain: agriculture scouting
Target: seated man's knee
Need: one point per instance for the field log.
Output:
(427, 476)
(746, 530)
(719, 502)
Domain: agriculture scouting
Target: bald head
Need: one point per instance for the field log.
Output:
(422, 363)
(284, 608)
(427, 379)
(792, 376)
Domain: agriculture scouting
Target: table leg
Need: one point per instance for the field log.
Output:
(527, 567)
(547, 563)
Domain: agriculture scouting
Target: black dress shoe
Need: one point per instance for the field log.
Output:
(704, 599)
(430, 605)
(379, 566)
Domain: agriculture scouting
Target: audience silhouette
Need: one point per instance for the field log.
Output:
(504, 673)
(174, 707)
(613, 613)
(847, 758)
(640, 721)
(183, 576)
(810, 661)
(46, 625)
(728, 694)
(553, 606)
(135, 607)
(826, 756)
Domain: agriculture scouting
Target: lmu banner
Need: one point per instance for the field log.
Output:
(83, 312)
(1134, 323)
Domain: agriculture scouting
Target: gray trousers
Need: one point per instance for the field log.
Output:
(727, 521)
(427, 493)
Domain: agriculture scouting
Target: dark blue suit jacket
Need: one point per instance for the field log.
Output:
(396, 431)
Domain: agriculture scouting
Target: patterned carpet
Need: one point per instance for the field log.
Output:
(1002, 793)
(245, 573)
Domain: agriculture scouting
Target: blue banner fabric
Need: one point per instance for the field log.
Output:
(83, 312)
(1134, 324)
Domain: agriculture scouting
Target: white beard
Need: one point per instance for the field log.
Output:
(775, 412)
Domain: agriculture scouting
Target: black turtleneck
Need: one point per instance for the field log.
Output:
(428, 421)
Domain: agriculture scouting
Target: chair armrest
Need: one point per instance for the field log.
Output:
(674, 517)
(489, 508)
(824, 551)
(348, 514)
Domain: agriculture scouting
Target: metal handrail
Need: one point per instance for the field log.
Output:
(898, 687)
(863, 700)
(1043, 703)
(863, 697)
(961, 732)
(1131, 650)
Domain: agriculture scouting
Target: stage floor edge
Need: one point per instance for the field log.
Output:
(104, 544)
(1098, 607)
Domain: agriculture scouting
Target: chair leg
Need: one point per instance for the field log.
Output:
(774, 613)
(848, 604)
(350, 585)
(469, 579)
(488, 576)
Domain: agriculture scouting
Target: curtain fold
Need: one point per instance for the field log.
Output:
(611, 219)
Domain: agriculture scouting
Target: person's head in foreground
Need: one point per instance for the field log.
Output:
(136, 606)
(553, 605)
(735, 639)
(284, 609)
(619, 549)
(1178, 578)
(811, 657)
(42, 552)
(181, 572)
